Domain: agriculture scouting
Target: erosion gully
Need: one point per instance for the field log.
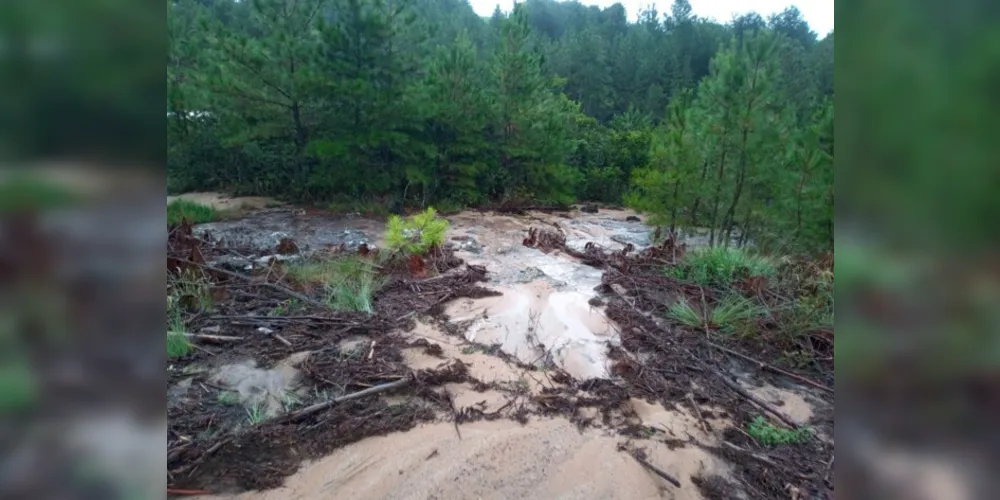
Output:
(547, 321)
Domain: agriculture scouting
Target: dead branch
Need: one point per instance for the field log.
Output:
(274, 286)
(775, 369)
(755, 400)
(309, 410)
(656, 470)
(213, 338)
(697, 410)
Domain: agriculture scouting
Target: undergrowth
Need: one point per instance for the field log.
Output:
(416, 234)
(178, 345)
(722, 266)
(28, 192)
(350, 282)
(770, 435)
(195, 213)
(732, 314)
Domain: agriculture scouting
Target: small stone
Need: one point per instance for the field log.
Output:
(265, 330)
(632, 218)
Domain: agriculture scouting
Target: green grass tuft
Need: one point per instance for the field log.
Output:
(722, 266)
(195, 213)
(178, 345)
(255, 414)
(684, 313)
(770, 435)
(733, 312)
(350, 282)
(229, 398)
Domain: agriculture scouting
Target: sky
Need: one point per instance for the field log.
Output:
(818, 13)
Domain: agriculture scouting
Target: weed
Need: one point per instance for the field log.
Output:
(290, 400)
(192, 290)
(350, 282)
(734, 311)
(228, 398)
(195, 213)
(19, 385)
(684, 313)
(178, 345)
(727, 315)
(285, 308)
(722, 266)
(769, 435)
(255, 414)
(416, 234)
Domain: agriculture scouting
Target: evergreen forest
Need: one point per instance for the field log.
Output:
(417, 103)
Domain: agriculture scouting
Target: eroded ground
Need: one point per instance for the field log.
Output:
(538, 378)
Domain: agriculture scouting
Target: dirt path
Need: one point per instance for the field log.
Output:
(544, 322)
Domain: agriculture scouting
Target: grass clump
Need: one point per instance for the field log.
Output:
(195, 213)
(350, 282)
(733, 312)
(770, 435)
(416, 234)
(729, 315)
(178, 345)
(722, 266)
(255, 414)
(684, 313)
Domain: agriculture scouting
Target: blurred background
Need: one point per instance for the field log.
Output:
(916, 249)
(82, 145)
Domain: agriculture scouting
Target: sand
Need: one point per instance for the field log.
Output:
(547, 459)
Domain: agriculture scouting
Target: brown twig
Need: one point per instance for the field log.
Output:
(697, 410)
(755, 400)
(274, 286)
(213, 338)
(656, 470)
(775, 369)
(309, 410)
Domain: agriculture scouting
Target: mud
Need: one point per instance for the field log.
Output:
(536, 369)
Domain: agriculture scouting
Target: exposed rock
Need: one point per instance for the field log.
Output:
(632, 218)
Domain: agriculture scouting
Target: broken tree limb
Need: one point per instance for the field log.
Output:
(775, 369)
(755, 400)
(213, 338)
(656, 470)
(273, 286)
(309, 410)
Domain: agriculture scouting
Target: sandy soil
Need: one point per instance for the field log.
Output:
(547, 459)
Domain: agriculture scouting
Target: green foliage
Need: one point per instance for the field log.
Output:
(770, 435)
(683, 312)
(228, 398)
(722, 266)
(381, 105)
(416, 234)
(735, 312)
(255, 414)
(19, 386)
(178, 345)
(350, 282)
(194, 213)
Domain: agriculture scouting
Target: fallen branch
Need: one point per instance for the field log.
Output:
(213, 338)
(697, 410)
(755, 400)
(775, 369)
(764, 460)
(175, 491)
(656, 470)
(309, 410)
(274, 286)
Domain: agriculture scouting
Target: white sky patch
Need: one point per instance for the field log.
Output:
(818, 13)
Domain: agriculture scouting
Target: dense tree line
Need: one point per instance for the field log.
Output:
(725, 126)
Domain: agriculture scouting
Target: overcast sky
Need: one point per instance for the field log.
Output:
(818, 13)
